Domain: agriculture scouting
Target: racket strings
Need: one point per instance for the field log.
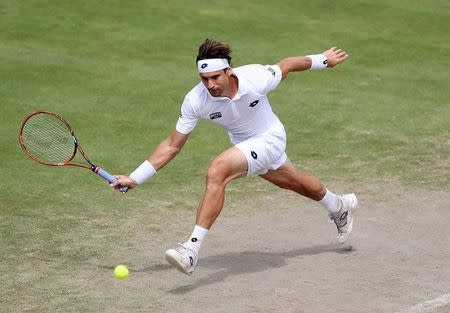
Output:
(48, 139)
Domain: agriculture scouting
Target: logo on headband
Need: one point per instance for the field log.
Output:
(204, 65)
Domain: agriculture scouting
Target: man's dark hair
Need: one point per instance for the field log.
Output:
(213, 49)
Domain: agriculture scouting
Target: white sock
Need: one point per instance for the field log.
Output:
(331, 202)
(196, 239)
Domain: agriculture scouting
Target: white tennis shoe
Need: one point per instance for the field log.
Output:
(182, 258)
(344, 218)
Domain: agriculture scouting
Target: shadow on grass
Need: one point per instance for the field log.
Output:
(237, 263)
(152, 268)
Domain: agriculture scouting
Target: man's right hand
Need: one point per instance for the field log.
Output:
(123, 180)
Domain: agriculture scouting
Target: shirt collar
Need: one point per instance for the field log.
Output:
(242, 90)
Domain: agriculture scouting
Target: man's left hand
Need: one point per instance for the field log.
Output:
(335, 56)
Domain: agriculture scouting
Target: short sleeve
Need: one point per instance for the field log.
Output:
(274, 75)
(264, 78)
(188, 119)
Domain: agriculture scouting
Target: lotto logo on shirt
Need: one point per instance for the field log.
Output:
(271, 70)
(215, 115)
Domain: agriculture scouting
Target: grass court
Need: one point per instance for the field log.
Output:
(377, 125)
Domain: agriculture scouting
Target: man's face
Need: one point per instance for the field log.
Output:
(217, 82)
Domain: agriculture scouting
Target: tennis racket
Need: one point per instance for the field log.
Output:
(48, 139)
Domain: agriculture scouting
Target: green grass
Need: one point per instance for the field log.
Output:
(118, 72)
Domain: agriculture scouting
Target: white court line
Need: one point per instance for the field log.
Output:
(428, 306)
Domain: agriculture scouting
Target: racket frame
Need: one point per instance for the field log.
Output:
(99, 171)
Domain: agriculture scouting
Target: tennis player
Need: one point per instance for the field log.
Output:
(236, 99)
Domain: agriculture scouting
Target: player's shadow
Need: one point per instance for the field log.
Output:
(237, 263)
(149, 269)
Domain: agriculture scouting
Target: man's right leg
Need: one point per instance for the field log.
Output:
(229, 165)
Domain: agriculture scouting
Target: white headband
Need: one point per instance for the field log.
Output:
(211, 65)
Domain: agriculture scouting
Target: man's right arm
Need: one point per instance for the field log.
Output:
(167, 149)
(162, 155)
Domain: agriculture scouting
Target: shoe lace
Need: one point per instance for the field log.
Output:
(340, 219)
(182, 249)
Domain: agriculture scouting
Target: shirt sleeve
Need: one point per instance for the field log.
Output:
(188, 118)
(274, 77)
(265, 78)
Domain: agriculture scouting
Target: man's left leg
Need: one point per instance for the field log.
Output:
(302, 182)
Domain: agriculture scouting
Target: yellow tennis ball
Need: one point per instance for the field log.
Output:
(121, 271)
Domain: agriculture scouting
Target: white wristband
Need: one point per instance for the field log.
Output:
(318, 61)
(143, 173)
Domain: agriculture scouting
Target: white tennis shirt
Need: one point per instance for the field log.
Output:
(247, 115)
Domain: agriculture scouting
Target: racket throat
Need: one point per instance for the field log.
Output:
(94, 168)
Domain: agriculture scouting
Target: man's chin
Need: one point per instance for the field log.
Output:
(214, 93)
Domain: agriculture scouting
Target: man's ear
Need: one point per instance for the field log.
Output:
(228, 71)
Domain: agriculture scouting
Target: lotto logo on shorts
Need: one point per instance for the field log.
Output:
(254, 155)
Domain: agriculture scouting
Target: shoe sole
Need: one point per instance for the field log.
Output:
(174, 259)
(342, 237)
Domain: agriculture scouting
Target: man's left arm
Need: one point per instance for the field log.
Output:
(329, 58)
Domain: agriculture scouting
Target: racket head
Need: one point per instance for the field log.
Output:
(47, 138)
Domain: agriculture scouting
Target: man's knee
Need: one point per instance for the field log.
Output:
(216, 174)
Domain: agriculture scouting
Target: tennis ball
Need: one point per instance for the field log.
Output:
(121, 271)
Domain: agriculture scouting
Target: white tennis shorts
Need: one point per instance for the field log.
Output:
(266, 151)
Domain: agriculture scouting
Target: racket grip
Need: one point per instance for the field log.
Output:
(111, 179)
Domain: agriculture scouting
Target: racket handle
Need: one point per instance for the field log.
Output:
(111, 179)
